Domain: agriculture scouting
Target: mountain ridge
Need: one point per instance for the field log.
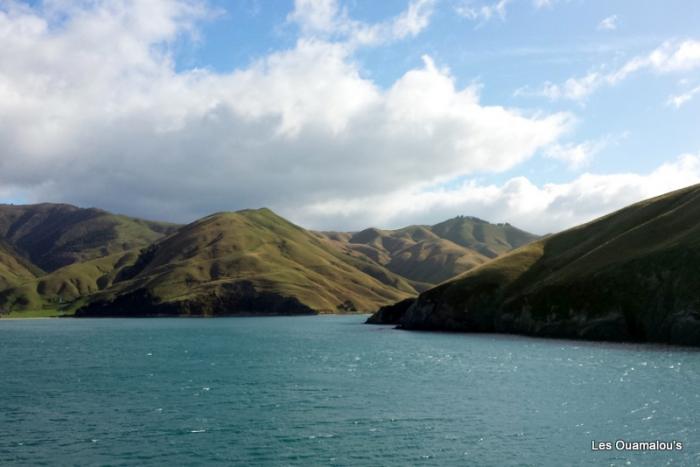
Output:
(94, 260)
(254, 254)
(429, 255)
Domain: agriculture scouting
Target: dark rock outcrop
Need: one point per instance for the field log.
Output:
(644, 301)
(391, 314)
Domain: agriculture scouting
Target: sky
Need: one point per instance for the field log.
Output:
(341, 115)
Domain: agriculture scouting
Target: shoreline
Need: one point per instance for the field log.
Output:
(246, 315)
(30, 317)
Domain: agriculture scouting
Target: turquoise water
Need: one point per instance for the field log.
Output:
(332, 391)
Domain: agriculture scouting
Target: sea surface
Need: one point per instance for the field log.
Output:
(329, 390)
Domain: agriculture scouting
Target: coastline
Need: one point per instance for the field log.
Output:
(15, 318)
(237, 315)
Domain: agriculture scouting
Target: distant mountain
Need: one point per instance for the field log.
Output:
(490, 240)
(55, 235)
(250, 261)
(631, 275)
(428, 255)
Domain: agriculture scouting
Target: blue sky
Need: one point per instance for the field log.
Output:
(527, 47)
(341, 115)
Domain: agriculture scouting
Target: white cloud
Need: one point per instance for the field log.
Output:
(413, 20)
(317, 15)
(573, 154)
(542, 3)
(484, 12)
(576, 89)
(608, 24)
(682, 57)
(477, 10)
(670, 57)
(93, 111)
(325, 19)
(679, 100)
(541, 209)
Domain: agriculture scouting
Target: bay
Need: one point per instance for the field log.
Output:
(329, 390)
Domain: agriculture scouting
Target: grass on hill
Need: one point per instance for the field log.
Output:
(14, 269)
(629, 275)
(428, 255)
(56, 235)
(267, 250)
(64, 286)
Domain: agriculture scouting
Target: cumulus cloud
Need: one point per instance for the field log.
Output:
(94, 112)
(541, 209)
(670, 57)
(608, 24)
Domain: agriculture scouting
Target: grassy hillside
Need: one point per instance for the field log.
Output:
(429, 255)
(56, 235)
(67, 287)
(247, 261)
(488, 239)
(60, 257)
(13, 268)
(631, 275)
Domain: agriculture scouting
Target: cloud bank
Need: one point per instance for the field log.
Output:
(541, 209)
(94, 112)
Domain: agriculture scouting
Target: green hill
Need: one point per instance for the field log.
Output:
(55, 235)
(631, 275)
(65, 288)
(429, 255)
(13, 268)
(250, 261)
(490, 240)
(60, 257)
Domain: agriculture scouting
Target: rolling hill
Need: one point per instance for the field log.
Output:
(52, 236)
(65, 288)
(632, 275)
(490, 240)
(57, 256)
(14, 269)
(429, 255)
(248, 261)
